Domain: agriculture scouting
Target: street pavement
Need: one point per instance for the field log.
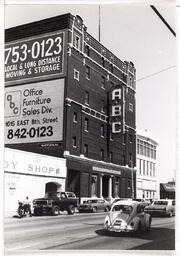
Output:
(83, 232)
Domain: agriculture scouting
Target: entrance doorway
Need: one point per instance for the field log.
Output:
(52, 187)
(73, 182)
(105, 186)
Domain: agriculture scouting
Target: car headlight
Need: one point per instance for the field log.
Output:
(106, 222)
(49, 203)
(34, 202)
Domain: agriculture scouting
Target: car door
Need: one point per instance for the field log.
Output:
(173, 206)
(101, 204)
(141, 215)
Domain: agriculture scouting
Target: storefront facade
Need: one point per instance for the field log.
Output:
(90, 178)
(32, 175)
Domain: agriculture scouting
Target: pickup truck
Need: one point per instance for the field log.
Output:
(54, 202)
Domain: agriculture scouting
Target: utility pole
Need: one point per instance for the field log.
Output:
(99, 23)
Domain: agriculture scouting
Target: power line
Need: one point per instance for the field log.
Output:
(163, 20)
(154, 74)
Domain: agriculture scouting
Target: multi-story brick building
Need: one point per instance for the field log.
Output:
(147, 181)
(76, 101)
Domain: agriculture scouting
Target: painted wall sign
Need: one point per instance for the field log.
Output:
(35, 57)
(34, 112)
(34, 164)
(110, 171)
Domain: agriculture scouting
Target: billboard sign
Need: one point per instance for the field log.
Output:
(34, 112)
(37, 57)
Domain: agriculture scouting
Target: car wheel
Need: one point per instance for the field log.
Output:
(20, 212)
(94, 209)
(37, 212)
(55, 210)
(71, 209)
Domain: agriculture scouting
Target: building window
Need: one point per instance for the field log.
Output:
(130, 138)
(87, 72)
(76, 74)
(116, 94)
(75, 117)
(86, 150)
(124, 138)
(110, 136)
(86, 124)
(102, 106)
(86, 100)
(102, 61)
(131, 107)
(112, 68)
(129, 184)
(111, 157)
(103, 82)
(102, 130)
(147, 168)
(116, 110)
(116, 127)
(130, 160)
(77, 42)
(144, 167)
(102, 155)
(124, 160)
(87, 50)
(140, 166)
(131, 81)
(74, 142)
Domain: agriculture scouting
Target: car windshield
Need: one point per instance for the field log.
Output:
(70, 195)
(160, 202)
(138, 199)
(122, 208)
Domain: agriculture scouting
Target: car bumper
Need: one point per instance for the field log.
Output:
(119, 229)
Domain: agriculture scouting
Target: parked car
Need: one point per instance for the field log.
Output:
(142, 201)
(54, 202)
(127, 216)
(165, 207)
(94, 205)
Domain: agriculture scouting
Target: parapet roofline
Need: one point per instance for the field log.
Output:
(37, 27)
(147, 135)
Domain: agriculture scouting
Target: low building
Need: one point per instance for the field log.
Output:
(147, 182)
(167, 190)
(31, 174)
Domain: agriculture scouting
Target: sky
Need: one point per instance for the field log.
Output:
(134, 33)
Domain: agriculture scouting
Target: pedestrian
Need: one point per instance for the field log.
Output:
(27, 206)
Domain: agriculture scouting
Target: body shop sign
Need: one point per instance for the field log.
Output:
(34, 112)
(35, 57)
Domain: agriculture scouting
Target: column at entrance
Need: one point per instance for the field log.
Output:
(100, 185)
(110, 187)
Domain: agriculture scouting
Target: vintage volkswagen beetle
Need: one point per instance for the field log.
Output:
(127, 216)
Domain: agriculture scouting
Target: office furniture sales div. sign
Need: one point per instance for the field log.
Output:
(34, 112)
(32, 58)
